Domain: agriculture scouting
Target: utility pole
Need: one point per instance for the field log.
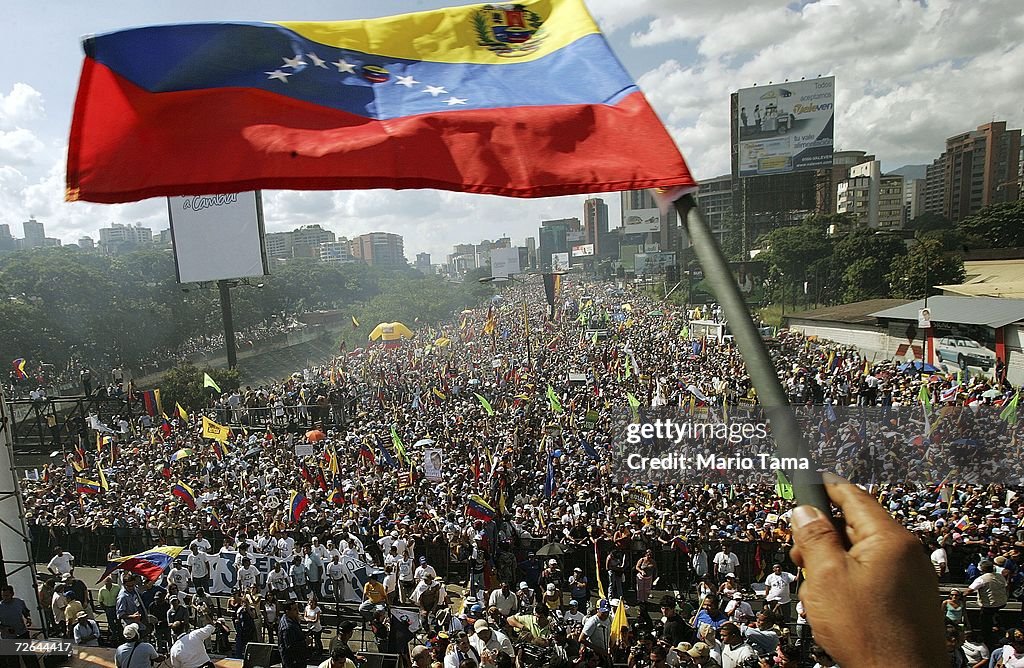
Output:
(229, 323)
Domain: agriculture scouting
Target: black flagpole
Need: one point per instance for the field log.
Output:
(807, 484)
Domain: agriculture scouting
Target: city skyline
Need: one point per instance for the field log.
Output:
(894, 94)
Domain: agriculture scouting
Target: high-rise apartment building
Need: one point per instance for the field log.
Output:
(380, 249)
(978, 168)
(116, 237)
(336, 251)
(34, 234)
(595, 225)
(870, 198)
(715, 200)
(7, 241)
(640, 204)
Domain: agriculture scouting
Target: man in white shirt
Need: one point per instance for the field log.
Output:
(335, 575)
(460, 650)
(179, 576)
(387, 541)
(734, 650)
(278, 580)
(320, 550)
(425, 569)
(597, 629)
(189, 650)
(725, 562)
(504, 599)
(201, 543)
(940, 562)
(488, 641)
(405, 577)
(61, 563)
(248, 575)
(778, 595)
(739, 611)
(992, 597)
(573, 616)
(199, 568)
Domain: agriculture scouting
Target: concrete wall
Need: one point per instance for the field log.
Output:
(873, 342)
(877, 343)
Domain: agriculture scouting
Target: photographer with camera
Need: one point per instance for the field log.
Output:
(640, 652)
(536, 633)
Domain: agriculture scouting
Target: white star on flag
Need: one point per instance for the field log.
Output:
(317, 60)
(434, 90)
(345, 66)
(279, 75)
(452, 101)
(294, 63)
(406, 81)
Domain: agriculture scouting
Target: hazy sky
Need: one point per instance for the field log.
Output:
(908, 74)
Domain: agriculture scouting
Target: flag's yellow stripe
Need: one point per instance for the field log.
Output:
(448, 35)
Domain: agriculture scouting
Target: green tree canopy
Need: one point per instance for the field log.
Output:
(924, 266)
(996, 226)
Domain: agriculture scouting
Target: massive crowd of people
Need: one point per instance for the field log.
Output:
(525, 414)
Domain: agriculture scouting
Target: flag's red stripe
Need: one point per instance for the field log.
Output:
(127, 144)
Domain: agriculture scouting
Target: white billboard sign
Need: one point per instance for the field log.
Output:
(217, 236)
(785, 127)
(504, 262)
(642, 221)
(647, 264)
(583, 250)
(559, 262)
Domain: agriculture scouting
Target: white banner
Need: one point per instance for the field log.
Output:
(224, 574)
(217, 236)
(504, 262)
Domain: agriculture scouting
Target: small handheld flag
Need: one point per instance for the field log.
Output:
(210, 382)
(486, 404)
(19, 368)
(1009, 412)
(399, 446)
(215, 431)
(298, 505)
(184, 494)
(478, 508)
(553, 402)
(86, 486)
(783, 487)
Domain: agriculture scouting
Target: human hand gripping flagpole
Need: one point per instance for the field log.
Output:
(807, 485)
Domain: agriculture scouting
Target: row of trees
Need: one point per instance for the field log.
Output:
(829, 260)
(62, 305)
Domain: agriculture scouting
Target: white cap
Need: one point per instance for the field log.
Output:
(131, 632)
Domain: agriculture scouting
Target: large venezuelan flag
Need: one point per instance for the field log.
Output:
(150, 564)
(524, 101)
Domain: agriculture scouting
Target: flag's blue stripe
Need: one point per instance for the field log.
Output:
(235, 55)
